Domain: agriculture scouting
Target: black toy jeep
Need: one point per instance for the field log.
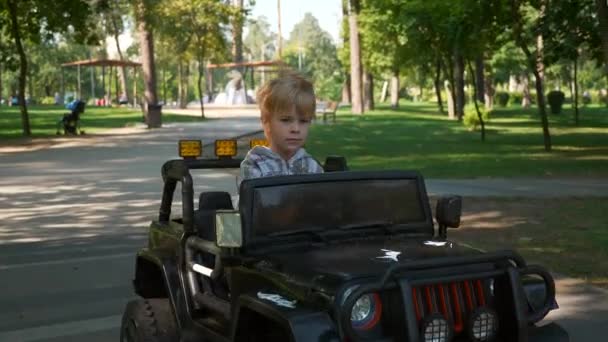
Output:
(339, 256)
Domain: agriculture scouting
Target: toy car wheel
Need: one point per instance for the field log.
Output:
(148, 320)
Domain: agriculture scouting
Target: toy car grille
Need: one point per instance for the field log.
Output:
(456, 301)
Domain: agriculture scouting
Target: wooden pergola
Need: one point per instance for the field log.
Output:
(103, 63)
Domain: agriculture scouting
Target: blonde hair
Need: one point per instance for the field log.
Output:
(290, 91)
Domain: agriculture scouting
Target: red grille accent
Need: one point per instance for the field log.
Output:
(454, 300)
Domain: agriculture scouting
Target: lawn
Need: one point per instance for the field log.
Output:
(566, 235)
(417, 137)
(43, 119)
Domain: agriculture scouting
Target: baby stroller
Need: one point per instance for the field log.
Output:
(71, 122)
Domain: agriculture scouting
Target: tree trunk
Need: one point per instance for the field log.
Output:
(25, 120)
(488, 89)
(602, 14)
(153, 110)
(459, 78)
(355, 59)
(384, 92)
(576, 91)
(437, 83)
(181, 98)
(395, 89)
(536, 64)
(368, 85)
(346, 90)
(450, 96)
(479, 79)
(526, 100)
(123, 69)
(201, 73)
(448, 69)
(540, 78)
(346, 86)
(237, 34)
(474, 75)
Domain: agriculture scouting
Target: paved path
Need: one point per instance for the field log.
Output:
(74, 211)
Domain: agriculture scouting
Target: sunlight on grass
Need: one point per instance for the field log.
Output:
(417, 137)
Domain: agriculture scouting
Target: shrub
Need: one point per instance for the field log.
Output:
(471, 120)
(516, 98)
(47, 100)
(556, 100)
(502, 98)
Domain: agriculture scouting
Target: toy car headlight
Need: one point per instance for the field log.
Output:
(190, 148)
(258, 142)
(435, 328)
(483, 325)
(225, 148)
(366, 312)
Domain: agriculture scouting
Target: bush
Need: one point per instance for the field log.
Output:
(47, 100)
(516, 98)
(556, 101)
(502, 98)
(471, 120)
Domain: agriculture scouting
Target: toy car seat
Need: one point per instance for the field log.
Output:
(204, 221)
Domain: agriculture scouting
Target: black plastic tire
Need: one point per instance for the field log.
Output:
(148, 320)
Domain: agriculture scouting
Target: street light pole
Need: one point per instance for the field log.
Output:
(279, 10)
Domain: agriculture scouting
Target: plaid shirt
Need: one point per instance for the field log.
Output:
(263, 162)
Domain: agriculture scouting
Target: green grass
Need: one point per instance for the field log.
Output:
(568, 235)
(43, 119)
(417, 137)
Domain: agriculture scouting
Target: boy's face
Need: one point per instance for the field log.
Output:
(286, 132)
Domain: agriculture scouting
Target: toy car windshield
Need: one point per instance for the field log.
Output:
(334, 201)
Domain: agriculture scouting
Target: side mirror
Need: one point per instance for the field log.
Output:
(228, 229)
(335, 163)
(448, 212)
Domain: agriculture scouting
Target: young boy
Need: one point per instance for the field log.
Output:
(287, 105)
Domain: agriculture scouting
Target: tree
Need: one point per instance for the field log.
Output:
(384, 40)
(207, 21)
(570, 27)
(521, 10)
(144, 10)
(311, 50)
(259, 41)
(114, 23)
(237, 31)
(602, 15)
(37, 21)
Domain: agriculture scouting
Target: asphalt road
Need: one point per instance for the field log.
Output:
(73, 214)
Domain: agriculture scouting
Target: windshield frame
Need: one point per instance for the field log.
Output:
(248, 188)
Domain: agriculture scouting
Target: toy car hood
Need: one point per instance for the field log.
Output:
(334, 264)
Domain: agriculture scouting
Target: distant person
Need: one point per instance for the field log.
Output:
(58, 100)
(14, 100)
(287, 106)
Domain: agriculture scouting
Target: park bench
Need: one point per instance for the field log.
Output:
(326, 109)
